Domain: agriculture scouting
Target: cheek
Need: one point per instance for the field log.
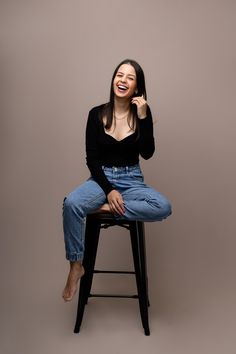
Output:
(134, 86)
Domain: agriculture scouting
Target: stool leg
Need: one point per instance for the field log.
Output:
(138, 248)
(91, 245)
(90, 256)
(141, 229)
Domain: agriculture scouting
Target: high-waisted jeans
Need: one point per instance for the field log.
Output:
(141, 203)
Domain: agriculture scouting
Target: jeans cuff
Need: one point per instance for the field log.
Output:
(73, 257)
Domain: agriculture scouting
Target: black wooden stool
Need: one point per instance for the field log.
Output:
(94, 223)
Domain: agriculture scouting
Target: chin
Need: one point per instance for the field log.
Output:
(120, 95)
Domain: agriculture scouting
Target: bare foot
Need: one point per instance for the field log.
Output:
(75, 273)
(105, 208)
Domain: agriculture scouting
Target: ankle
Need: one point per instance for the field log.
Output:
(76, 265)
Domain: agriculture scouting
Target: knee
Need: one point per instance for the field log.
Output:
(71, 205)
(162, 209)
(166, 209)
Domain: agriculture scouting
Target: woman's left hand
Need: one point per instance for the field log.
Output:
(141, 104)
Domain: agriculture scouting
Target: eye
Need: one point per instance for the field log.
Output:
(131, 78)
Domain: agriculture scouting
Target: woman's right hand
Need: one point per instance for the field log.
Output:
(116, 202)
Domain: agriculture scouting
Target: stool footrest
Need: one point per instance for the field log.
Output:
(113, 271)
(111, 295)
(105, 226)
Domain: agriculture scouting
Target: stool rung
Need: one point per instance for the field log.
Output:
(110, 295)
(113, 271)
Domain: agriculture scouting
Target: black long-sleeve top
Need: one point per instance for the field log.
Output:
(104, 150)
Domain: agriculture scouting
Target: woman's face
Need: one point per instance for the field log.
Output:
(125, 82)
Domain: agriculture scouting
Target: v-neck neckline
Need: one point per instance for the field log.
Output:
(118, 141)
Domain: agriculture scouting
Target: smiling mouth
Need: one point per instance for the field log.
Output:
(122, 88)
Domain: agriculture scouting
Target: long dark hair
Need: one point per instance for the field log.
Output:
(108, 108)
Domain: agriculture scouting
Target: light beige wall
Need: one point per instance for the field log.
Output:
(57, 59)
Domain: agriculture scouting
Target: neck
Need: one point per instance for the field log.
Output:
(121, 105)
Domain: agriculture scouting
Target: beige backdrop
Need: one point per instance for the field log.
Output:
(57, 59)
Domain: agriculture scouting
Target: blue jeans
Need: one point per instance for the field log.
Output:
(141, 202)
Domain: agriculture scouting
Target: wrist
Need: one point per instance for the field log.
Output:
(142, 114)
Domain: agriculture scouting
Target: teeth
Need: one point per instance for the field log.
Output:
(122, 87)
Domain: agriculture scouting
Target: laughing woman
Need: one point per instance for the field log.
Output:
(117, 133)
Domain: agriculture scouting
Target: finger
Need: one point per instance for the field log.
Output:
(119, 210)
(112, 208)
(138, 97)
(119, 207)
(139, 100)
(120, 201)
(135, 102)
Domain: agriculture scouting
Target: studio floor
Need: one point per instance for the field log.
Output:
(179, 325)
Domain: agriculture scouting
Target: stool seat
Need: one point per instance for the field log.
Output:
(94, 223)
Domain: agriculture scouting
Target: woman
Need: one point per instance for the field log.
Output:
(116, 134)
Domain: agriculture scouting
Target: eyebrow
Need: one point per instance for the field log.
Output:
(120, 72)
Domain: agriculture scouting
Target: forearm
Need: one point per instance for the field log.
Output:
(146, 138)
